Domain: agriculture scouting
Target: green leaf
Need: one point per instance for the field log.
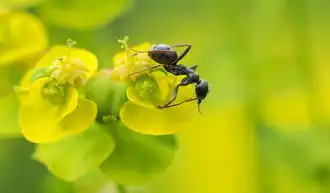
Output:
(138, 157)
(19, 3)
(304, 152)
(52, 184)
(6, 86)
(93, 181)
(10, 75)
(40, 73)
(108, 95)
(73, 157)
(82, 14)
(9, 116)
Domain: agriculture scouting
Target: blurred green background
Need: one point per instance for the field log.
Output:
(266, 123)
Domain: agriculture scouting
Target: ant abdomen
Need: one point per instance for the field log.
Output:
(202, 89)
(168, 57)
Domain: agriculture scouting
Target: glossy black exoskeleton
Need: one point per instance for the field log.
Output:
(167, 57)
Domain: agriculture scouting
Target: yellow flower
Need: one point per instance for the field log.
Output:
(22, 36)
(22, 40)
(148, 90)
(51, 107)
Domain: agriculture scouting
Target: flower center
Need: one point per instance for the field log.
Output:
(55, 93)
(147, 88)
(67, 71)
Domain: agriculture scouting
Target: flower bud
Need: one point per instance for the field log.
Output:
(108, 95)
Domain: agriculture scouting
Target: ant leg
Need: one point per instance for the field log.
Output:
(152, 67)
(184, 52)
(184, 82)
(175, 94)
(193, 67)
(177, 104)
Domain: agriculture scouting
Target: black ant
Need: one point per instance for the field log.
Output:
(167, 57)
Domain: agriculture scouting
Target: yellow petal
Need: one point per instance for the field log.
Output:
(120, 73)
(38, 117)
(38, 131)
(146, 90)
(134, 97)
(76, 54)
(161, 92)
(119, 59)
(163, 83)
(157, 121)
(81, 118)
(35, 99)
(21, 35)
(143, 47)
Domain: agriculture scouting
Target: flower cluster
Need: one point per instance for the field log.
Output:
(82, 118)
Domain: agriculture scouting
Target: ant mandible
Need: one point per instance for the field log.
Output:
(167, 57)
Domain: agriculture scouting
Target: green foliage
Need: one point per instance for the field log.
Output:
(20, 3)
(40, 73)
(138, 157)
(6, 83)
(83, 14)
(305, 153)
(55, 185)
(75, 156)
(93, 181)
(9, 116)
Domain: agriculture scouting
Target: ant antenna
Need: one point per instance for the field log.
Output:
(199, 109)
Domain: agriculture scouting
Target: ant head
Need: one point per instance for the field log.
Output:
(163, 54)
(202, 89)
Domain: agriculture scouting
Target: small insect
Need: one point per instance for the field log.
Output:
(167, 57)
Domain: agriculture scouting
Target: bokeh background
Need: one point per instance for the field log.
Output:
(266, 122)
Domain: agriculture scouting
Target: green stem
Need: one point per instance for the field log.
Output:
(121, 188)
